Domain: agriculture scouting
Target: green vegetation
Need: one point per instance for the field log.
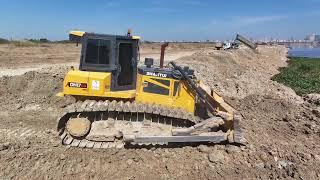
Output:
(42, 40)
(302, 75)
(63, 42)
(32, 42)
(24, 43)
(3, 41)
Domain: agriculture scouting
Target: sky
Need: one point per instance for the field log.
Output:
(161, 19)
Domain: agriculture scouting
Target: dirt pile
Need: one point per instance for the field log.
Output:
(242, 72)
(35, 90)
(176, 46)
(282, 129)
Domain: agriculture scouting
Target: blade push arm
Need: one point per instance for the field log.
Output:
(201, 95)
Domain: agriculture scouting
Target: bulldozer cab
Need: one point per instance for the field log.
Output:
(111, 53)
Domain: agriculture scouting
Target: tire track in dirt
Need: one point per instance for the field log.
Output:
(23, 133)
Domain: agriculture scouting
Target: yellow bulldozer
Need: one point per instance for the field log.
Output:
(120, 104)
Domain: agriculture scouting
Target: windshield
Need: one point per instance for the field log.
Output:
(98, 51)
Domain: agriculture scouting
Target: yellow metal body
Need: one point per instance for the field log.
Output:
(77, 33)
(98, 84)
(181, 99)
(81, 33)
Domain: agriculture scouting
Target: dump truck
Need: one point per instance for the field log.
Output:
(246, 42)
(120, 104)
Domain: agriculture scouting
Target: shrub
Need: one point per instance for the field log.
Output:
(3, 41)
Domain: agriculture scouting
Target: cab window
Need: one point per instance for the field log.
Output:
(98, 51)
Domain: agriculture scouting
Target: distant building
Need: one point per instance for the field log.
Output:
(313, 37)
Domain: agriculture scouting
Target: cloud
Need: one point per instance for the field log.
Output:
(248, 20)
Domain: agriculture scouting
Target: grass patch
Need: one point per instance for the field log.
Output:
(42, 40)
(23, 43)
(33, 42)
(301, 74)
(3, 41)
(64, 42)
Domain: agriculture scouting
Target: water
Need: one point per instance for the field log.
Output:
(304, 52)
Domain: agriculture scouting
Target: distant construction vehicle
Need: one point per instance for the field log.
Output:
(237, 40)
(120, 104)
(246, 42)
(232, 45)
(219, 45)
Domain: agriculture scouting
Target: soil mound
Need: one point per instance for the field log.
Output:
(239, 73)
(34, 90)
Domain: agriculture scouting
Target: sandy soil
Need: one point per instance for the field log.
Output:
(282, 128)
(19, 60)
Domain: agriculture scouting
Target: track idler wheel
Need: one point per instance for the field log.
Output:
(78, 127)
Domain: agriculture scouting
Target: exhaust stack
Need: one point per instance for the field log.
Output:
(163, 48)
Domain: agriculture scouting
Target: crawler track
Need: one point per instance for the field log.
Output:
(150, 119)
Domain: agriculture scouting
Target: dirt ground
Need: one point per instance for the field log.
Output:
(19, 60)
(282, 129)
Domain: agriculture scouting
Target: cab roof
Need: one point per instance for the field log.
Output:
(79, 34)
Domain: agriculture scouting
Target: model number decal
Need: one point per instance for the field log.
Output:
(77, 85)
(156, 74)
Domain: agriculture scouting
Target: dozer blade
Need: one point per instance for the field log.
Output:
(216, 106)
(231, 117)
